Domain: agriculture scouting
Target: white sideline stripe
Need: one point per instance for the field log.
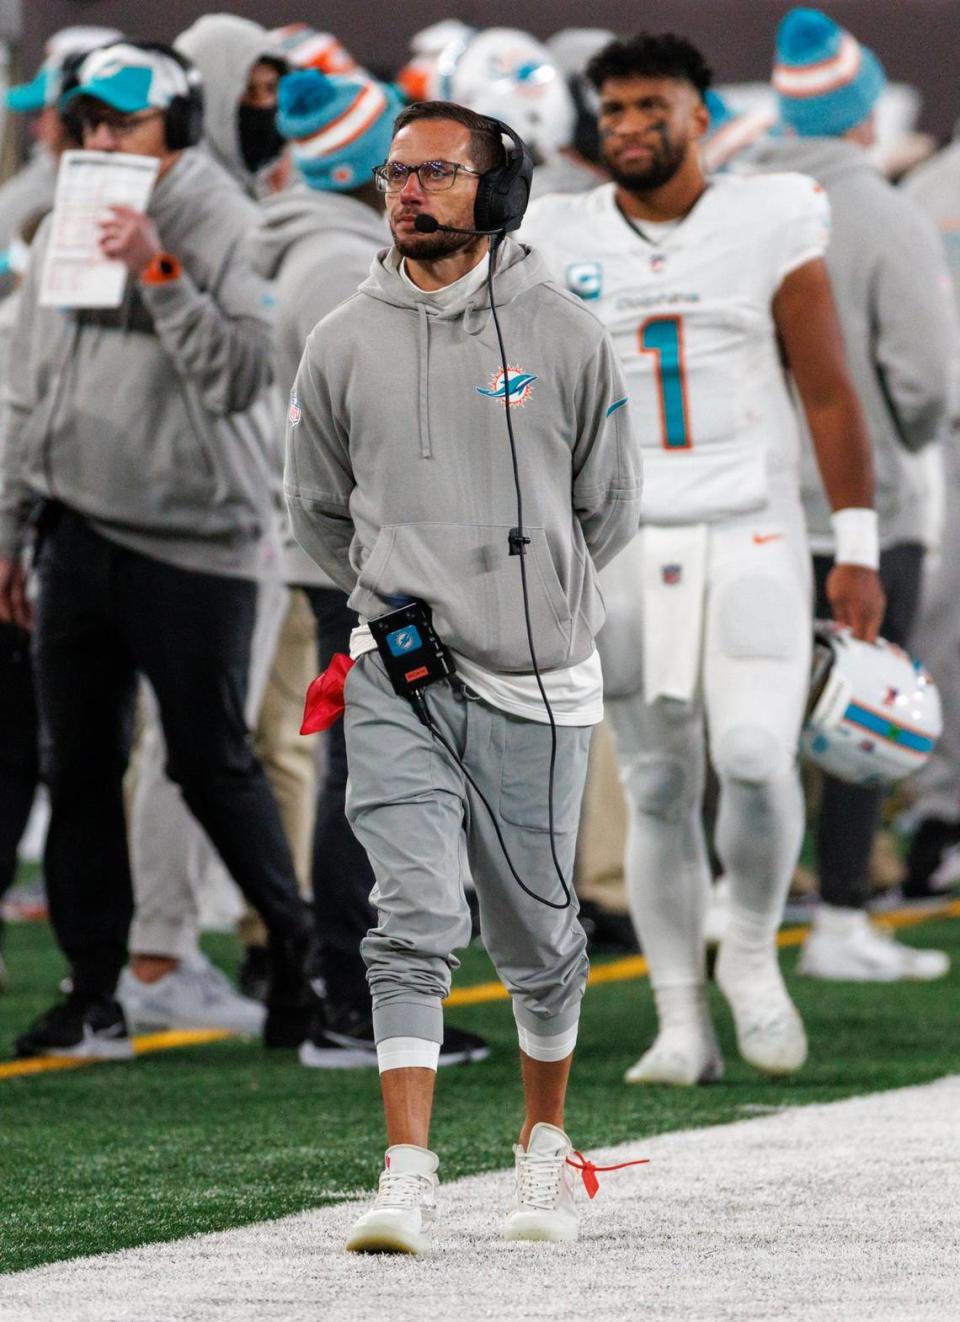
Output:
(827, 1213)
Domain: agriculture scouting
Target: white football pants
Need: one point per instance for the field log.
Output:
(746, 713)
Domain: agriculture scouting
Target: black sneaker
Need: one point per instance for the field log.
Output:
(933, 865)
(343, 1039)
(82, 1028)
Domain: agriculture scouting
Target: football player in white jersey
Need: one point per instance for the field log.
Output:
(714, 290)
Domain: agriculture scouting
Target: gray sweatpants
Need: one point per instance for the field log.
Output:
(423, 825)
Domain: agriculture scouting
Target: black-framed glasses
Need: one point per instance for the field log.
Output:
(120, 125)
(434, 176)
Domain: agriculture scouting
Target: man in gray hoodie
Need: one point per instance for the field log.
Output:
(890, 287)
(401, 486)
(935, 188)
(241, 65)
(316, 242)
(131, 427)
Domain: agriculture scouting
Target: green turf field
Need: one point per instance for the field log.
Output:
(212, 1137)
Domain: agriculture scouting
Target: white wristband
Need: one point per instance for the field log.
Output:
(857, 538)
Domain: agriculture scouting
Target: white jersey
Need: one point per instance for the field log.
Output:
(689, 306)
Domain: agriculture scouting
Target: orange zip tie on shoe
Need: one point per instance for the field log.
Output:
(589, 1171)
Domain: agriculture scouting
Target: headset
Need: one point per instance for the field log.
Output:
(503, 193)
(183, 117)
(502, 196)
(183, 121)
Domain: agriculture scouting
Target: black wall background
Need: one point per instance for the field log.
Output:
(917, 40)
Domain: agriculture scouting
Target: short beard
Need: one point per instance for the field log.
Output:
(660, 171)
(430, 247)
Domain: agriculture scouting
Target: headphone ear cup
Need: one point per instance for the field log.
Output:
(503, 194)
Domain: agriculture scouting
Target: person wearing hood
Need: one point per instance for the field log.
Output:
(241, 65)
(400, 486)
(131, 427)
(891, 290)
(931, 861)
(316, 243)
(31, 188)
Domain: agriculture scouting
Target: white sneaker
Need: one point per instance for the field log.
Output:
(542, 1207)
(682, 1055)
(405, 1205)
(845, 946)
(770, 1033)
(193, 995)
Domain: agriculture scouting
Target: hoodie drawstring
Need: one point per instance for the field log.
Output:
(423, 338)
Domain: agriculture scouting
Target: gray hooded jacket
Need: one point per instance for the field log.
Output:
(398, 472)
(225, 48)
(316, 247)
(899, 333)
(143, 418)
(935, 187)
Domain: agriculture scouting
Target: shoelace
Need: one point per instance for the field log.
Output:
(588, 1170)
(539, 1177)
(400, 1189)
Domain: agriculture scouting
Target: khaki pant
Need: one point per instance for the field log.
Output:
(603, 829)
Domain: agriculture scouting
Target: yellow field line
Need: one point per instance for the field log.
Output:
(618, 970)
(635, 966)
(142, 1046)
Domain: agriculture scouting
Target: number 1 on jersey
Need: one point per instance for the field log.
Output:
(663, 337)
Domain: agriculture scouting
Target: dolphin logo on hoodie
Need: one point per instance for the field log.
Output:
(515, 391)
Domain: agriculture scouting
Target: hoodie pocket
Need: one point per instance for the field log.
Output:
(466, 573)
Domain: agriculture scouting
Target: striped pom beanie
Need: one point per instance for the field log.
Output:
(826, 81)
(339, 126)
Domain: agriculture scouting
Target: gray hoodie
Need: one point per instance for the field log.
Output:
(398, 472)
(899, 333)
(142, 418)
(29, 191)
(316, 247)
(225, 48)
(935, 187)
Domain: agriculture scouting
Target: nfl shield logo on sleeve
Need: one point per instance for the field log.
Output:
(672, 574)
(585, 279)
(293, 412)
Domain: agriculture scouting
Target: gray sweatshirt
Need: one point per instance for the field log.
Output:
(225, 48)
(316, 247)
(935, 187)
(398, 472)
(30, 190)
(142, 418)
(899, 333)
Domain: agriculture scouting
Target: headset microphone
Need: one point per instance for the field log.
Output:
(424, 224)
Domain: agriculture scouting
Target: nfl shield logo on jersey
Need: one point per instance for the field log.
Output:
(585, 279)
(293, 412)
(657, 262)
(672, 574)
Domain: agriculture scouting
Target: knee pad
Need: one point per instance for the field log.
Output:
(657, 786)
(751, 754)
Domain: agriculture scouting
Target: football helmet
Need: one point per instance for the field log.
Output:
(509, 75)
(874, 713)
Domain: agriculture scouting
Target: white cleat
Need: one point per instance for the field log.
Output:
(405, 1205)
(682, 1055)
(770, 1033)
(542, 1208)
(194, 995)
(845, 946)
